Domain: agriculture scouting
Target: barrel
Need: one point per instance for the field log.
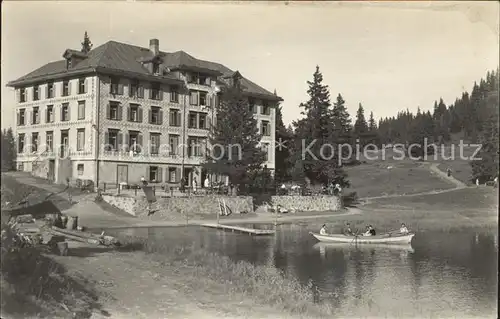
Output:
(72, 222)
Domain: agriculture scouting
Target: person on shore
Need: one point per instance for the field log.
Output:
(477, 181)
(403, 229)
(348, 230)
(323, 231)
(448, 172)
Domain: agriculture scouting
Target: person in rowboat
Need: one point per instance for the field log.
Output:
(370, 231)
(403, 229)
(323, 230)
(348, 230)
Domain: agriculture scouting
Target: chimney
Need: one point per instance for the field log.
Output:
(154, 46)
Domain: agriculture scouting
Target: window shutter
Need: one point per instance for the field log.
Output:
(18, 118)
(126, 139)
(149, 116)
(139, 139)
(160, 115)
(150, 93)
(140, 91)
(159, 175)
(108, 111)
(209, 100)
(178, 116)
(139, 115)
(46, 91)
(120, 112)
(69, 113)
(86, 86)
(106, 140)
(129, 113)
(120, 88)
(18, 93)
(119, 140)
(191, 98)
(160, 94)
(209, 122)
(177, 174)
(69, 87)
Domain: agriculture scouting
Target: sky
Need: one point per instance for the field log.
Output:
(386, 56)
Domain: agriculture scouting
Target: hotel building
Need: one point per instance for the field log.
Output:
(121, 112)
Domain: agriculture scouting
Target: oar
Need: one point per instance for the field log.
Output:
(355, 238)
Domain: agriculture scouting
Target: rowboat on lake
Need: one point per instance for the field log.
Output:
(358, 239)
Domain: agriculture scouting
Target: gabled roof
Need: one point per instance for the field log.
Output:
(125, 58)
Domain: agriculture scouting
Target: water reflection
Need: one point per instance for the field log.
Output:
(438, 275)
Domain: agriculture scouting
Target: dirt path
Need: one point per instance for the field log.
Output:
(435, 169)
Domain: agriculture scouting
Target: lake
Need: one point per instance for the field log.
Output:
(452, 274)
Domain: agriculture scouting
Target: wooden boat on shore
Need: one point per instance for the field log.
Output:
(358, 239)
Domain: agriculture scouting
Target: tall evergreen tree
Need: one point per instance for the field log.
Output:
(360, 126)
(284, 139)
(8, 150)
(313, 135)
(235, 138)
(372, 125)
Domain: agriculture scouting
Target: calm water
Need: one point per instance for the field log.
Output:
(439, 275)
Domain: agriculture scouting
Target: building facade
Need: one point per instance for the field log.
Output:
(121, 112)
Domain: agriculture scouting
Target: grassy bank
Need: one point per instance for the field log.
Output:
(262, 285)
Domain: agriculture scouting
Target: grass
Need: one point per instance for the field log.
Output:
(373, 179)
(265, 285)
(460, 168)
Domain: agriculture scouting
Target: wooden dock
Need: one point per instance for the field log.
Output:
(250, 231)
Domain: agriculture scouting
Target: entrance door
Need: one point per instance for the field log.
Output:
(122, 174)
(188, 175)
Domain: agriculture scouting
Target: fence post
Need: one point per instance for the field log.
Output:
(104, 187)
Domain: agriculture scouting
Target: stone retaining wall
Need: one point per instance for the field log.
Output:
(307, 203)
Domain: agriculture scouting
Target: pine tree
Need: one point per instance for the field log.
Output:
(8, 150)
(86, 44)
(360, 126)
(235, 139)
(284, 138)
(372, 125)
(315, 132)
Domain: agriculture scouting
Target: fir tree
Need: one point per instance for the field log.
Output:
(86, 44)
(235, 139)
(8, 150)
(372, 125)
(360, 126)
(284, 138)
(314, 132)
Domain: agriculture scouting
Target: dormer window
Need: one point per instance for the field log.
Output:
(68, 63)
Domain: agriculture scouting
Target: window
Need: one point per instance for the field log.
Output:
(265, 129)
(23, 95)
(204, 99)
(49, 140)
(155, 115)
(266, 110)
(80, 139)
(36, 115)
(114, 111)
(154, 174)
(193, 118)
(49, 115)
(174, 95)
(112, 140)
(265, 149)
(68, 63)
(155, 93)
(173, 144)
(156, 68)
(20, 143)
(251, 106)
(193, 97)
(135, 142)
(34, 142)
(154, 139)
(175, 117)
(50, 90)
(65, 112)
(196, 146)
(135, 113)
(21, 120)
(116, 88)
(36, 93)
(79, 168)
(82, 87)
(198, 78)
(81, 110)
(202, 121)
(136, 90)
(64, 143)
(172, 174)
(66, 88)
